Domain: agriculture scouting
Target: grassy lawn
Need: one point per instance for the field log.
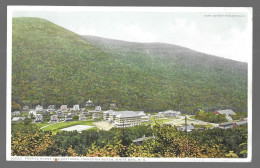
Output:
(56, 127)
(161, 120)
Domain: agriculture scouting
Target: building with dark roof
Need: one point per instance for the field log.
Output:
(169, 113)
(226, 125)
(89, 103)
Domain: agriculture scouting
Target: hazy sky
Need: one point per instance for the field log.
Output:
(225, 34)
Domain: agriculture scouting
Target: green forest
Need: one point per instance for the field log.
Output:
(52, 65)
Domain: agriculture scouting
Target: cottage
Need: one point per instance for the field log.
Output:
(51, 108)
(63, 108)
(54, 118)
(68, 117)
(226, 125)
(39, 108)
(18, 119)
(76, 107)
(38, 118)
(86, 113)
(82, 117)
(16, 113)
(59, 113)
(89, 103)
(98, 108)
(97, 115)
(169, 113)
(123, 118)
(25, 108)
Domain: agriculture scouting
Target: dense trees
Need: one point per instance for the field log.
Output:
(28, 140)
(16, 106)
(52, 65)
(234, 139)
(210, 117)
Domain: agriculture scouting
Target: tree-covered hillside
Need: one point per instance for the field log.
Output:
(51, 65)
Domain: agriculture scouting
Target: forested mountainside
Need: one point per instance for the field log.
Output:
(52, 65)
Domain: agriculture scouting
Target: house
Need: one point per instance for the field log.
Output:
(32, 113)
(68, 118)
(98, 108)
(86, 113)
(82, 117)
(76, 107)
(63, 108)
(169, 113)
(54, 118)
(89, 103)
(38, 118)
(51, 108)
(59, 113)
(25, 108)
(123, 118)
(227, 112)
(18, 119)
(16, 113)
(39, 108)
(97, 115)
(189, 128)
(226, 125)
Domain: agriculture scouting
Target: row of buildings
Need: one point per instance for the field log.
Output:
(228, 125)
(75, 107)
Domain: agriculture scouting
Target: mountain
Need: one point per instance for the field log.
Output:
(52, 65)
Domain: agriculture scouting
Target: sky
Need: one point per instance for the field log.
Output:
(223, 32)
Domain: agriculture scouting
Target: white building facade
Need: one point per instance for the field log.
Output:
(125, 118)
(76, 107)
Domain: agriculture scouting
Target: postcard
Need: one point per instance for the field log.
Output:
(129, 84)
